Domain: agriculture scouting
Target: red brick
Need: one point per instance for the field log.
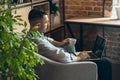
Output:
(92, 7)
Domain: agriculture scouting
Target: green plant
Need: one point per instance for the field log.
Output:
(53, 7)
(17, 52)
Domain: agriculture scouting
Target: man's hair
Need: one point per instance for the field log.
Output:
(35, 14)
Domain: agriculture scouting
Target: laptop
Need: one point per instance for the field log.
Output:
(98, 49)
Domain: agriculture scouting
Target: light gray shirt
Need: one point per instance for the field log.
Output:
(47, 49)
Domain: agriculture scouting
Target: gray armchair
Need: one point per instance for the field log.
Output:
(52, 70)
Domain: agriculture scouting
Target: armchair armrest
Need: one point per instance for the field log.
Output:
(53, 70)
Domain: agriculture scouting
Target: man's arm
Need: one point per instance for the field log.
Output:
(49, 50)
(61, 43)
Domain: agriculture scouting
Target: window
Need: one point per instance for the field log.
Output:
(116, 3)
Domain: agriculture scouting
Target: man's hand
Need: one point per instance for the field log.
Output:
(83, 55)
(65, 42)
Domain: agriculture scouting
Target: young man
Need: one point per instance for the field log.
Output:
(48, 46)
(51, 48)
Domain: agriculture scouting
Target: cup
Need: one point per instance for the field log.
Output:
(71, 46)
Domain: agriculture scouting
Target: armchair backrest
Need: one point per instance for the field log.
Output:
(53, 70)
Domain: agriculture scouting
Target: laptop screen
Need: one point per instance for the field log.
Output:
(99, 46)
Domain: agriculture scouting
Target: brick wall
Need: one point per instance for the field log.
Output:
(113, 44)
(112, 35)
(77, 8)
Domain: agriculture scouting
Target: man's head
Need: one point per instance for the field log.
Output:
(38, 17)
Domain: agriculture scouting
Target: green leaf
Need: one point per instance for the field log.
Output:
(17, 16)
(6, 46)
(25, 23)
(17, 52)
(3, 23)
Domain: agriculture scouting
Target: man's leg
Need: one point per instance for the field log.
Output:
(104, 69)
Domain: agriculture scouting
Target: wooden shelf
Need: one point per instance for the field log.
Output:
(37, 1)
(44, 4)
(55, 30)
(21, 1)
(56, 26)
(20, 5)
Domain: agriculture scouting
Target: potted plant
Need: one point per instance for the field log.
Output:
(53, 7)
(17, 52)
(54, 12)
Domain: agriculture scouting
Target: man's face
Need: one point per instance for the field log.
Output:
(44, 24)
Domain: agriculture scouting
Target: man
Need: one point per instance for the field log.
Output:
(48, 46)
(51, 48)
